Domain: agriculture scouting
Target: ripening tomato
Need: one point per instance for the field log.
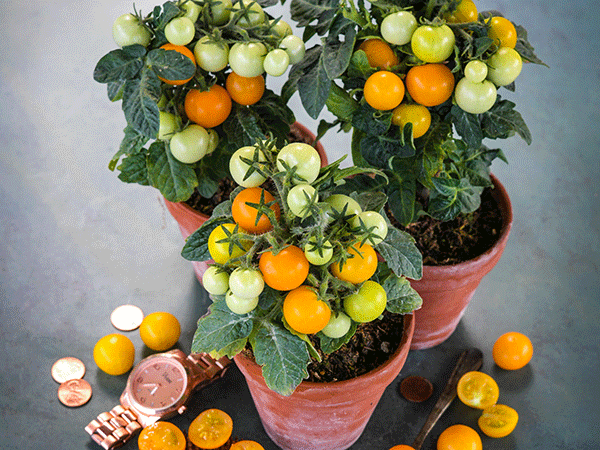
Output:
(245, 90)
(246, 282)
(370, 222)
(276, 62)
(367, 304)
(503, 32)
(128, 30)
(300, 198)
(384, 90)
(253, 14)
(114, 354)
(184, 51)
(379, 54)
(211, 55)
(417, 115)
(247, 58)
(222, 247)
(161, 436)
(477, 390)
(512, 350)
(304, 311)
(180, 31)
(475, 98)
(247, 216)
(397, 28)
(215, 281)
(286, 270)
(430, 84)
(433, 44)
(360, 265)
(294, 47)
(476, 71)
(211, 429)
(241, 166)
(160, 331)
(504, 66)
(338, 326)
(301, 157)
(466, 11)
(208, 108)
(190, 144)
(498, 421)
(459, 437)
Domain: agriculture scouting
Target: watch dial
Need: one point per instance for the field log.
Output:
(158, 384)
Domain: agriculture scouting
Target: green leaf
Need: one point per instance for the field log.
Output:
(359, 66)
(132, 143)
(314, 89)
(400, 253)
(502, 121)
(337, 53)
(170, 64)
(284, 357)
(467, 126)
(140, 98)
(452, 197)
(221, 332)
(524, 48)
(114, 90)
(401, 296)
(402, 191)
(371, 121)
(378, 150)
(121, 64)
(134, 169)
(196, 245)
(329, 345)
(305, 12)
(175, 180)
(340, 103)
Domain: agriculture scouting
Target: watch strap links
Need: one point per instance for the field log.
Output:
(212, 368)
(112, 429)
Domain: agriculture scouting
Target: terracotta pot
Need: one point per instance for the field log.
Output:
(189, 220)
(447, 290)
(323, 416)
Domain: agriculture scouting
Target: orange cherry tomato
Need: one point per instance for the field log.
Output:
(184, 51)
(512, 350)
(246, 216)
(246, 445)
(304, 312)
(466, 11)
(379, 54)
(286, 270)
(208, 108)
(245, 90)
(430, 84)
(477, 390)
(498, 421)
(459, 437)
(161, 436)
(360, 265)
(211, 429)
(402, 447)
(384, 90)
(503, 32)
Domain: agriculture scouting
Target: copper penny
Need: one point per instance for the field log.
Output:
(68, 368)
(416, 389)
(74, 393)
(126, 317)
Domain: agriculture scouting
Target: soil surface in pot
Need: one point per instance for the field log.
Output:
(460, 239)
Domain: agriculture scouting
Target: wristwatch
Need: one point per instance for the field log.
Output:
(157, 388)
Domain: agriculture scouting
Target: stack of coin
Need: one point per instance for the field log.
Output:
(73, 390)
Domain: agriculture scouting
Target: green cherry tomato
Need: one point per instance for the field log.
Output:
(398, 28)
(475, 98)
(254, 14)
(294, 47)
(476, 71)
(180, 31)
(127, 30)
(304, 158)
(276, 62)
(340, 203)
(210, 55)
(433, 44)
(300, 198)
(318, 254)
(240, 169)
(372, 222)
(504, 66)
(190, 145)
(215, 281)
(220, 11)
(247, 58)
(213, 141)
(339, 324)
(281, 28)
(367, 304)
(168, 124)
(192, 10)
(240, 305)
(114, 354)
(246, 283)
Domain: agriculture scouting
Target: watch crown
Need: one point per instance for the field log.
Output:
(181, 409)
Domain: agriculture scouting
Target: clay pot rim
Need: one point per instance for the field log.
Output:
(501, 196)
(407, 334)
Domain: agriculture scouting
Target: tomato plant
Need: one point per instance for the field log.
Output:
(303, 159)
(475, 98)
(285, 270)
(384, 90)
(459, 437)
(247, 58)
(360, 265)
(208, 108)
(498, 421)
(512, 351)
(503, 32)
(430, 84)
(243, 90)
(245, 212)
(304, 311)
(477, 390)
(160, 331)
(379, 54)
(223, 246)
(397, 28)
(211, 55)
(161, 436)
(180, 31)
(215, 281)
(432, 44)
(367, 304)
(212, 428)
(190, 144)
(128, 30)
(504, 66)
(417, 115)
(114, 354)
(184, 51)
(242, 166)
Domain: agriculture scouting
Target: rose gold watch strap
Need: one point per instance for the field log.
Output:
(212, 368)
(112, 429)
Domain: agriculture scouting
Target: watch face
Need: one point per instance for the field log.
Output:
(158, 383)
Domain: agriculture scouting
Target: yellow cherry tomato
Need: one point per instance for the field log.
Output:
(478, 390)
(459, 437)
(503, 32)
(114, 354)
(466, 11)
(498, 421)
(222, 251)
(211, 429)
(246, 445)
(160, 331)
(418, 115)
(512, 350)
(161, 436)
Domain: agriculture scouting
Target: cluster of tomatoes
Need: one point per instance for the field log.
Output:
(256, 248)
(432, 82)
(198, 33)
(211, 429)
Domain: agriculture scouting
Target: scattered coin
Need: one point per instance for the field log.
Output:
(416, 389)
(68, 368)
(74, 393)
(127, 317)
